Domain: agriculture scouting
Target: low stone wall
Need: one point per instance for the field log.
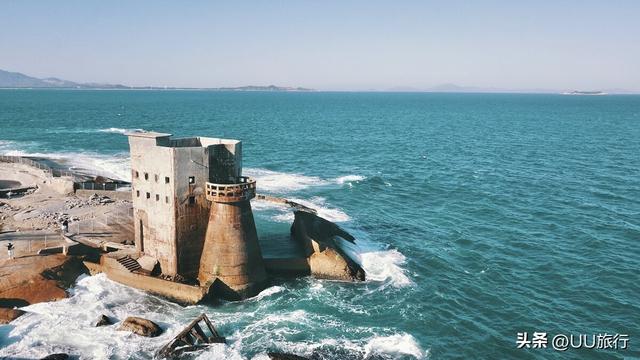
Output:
(118, 195)
(181, 293)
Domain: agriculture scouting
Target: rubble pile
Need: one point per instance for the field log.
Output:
(53, 220)
(94, 200)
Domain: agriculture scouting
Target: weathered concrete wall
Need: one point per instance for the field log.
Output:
(153, 201)
(181, 293)
(192, 208)
(118, 195)
(232, 253)
(170, 208)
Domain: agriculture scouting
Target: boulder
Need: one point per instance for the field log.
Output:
(283, 356)
(102, 320)
(8, 315)
(59, 356)
(140, 326)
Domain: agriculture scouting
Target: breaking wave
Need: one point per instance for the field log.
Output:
(268, 292)
(285, 215)
(115, 130)
(349, 179)
(113, 166)
(385, 266)
(251, 328)
(282, 182)
(401, 344)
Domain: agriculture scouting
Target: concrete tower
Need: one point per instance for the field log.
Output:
(171, 212)
(231, 258)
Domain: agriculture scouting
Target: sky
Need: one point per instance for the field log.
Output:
(327, 45)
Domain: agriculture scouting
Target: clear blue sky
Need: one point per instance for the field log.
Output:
(338, 45)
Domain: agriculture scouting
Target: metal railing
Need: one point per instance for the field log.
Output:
(89, 185)
(244, 189)
(23, 160)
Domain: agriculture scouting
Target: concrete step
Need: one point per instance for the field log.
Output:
(129, 263)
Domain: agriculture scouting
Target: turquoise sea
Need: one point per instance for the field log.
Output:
(477, 217)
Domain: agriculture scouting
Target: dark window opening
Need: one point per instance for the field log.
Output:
(166, 180)
(192, 200)
(138, 193)
(156, 177)
(146, 176)
(166, 199)
(141, 236)
(148, 196)
(137, 174)
(157, 197)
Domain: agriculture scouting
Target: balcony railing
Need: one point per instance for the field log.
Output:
(243, 189)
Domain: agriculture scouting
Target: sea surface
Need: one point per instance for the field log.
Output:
(477, 217)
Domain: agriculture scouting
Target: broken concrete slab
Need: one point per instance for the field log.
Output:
(326, 258)
(195, 336)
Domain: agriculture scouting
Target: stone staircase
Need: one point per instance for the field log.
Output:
(129, 263)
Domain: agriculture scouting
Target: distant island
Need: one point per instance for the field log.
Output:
(16, 80)
(576, 92)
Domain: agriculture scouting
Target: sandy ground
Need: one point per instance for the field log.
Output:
(45, 207)
(32, 222)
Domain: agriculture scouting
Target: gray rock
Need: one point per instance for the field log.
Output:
(284, 356)
(140, 326)
(8, 315)
(102, 320)
(60, 356)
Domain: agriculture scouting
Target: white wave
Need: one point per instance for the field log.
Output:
(379, 264)
(285, 214)
(385, 266)
(113, 166)
(349, 179)
(65, 326)
(324, 210)
(398, 344)
(6, 143)
(268, 292)
(282, 182)
(279, 182)
(115, 130)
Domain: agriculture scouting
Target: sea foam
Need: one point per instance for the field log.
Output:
(116, 166)
(115, 130)
(283, 182)
(398, 344)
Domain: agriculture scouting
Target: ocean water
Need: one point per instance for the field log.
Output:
(477, 216)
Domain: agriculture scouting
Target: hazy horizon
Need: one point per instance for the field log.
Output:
(328, 46)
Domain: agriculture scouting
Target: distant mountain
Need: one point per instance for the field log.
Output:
(19, 80)
(579, 92)
(263, 88)
(16, 80)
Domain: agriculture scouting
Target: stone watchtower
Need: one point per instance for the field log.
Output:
(186, 190)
